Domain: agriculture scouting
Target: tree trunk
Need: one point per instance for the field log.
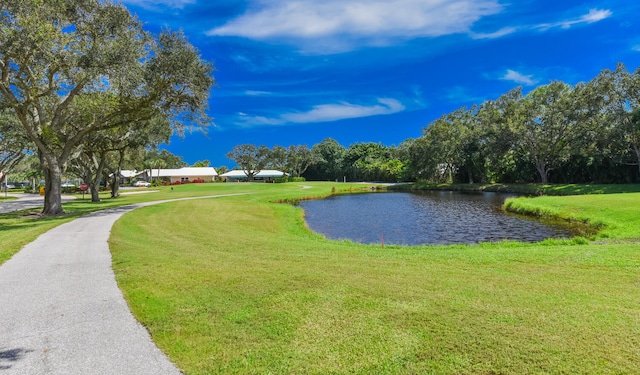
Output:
(95, 182)
(542, 171)
(636, 149)
(52, 190)
(115, 182)
(94, 185)
(95, 192)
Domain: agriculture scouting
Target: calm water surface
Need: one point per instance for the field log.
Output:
(423, 218)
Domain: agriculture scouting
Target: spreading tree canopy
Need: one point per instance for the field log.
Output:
(70, 68)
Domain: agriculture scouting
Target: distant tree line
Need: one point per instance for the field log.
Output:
(327, 160)
(557, 133)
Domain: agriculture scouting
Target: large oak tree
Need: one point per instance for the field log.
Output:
(70, 68)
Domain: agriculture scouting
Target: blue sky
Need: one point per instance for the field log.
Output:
(298, 71)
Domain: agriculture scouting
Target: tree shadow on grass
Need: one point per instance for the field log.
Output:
(10, 356)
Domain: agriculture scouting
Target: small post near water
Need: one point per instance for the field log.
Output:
(382, 239)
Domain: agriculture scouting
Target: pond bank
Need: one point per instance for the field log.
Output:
(524, 189)
(584, 225)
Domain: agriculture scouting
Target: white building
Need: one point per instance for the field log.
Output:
(267, 175)
(128, 176)
(186, 174)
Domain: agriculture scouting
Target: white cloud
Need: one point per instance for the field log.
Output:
(343, 24)
(636, 48)
(517, 77)
(326, 113)
(257, 93)
(159, 4)
(497, 34)
(594, 15)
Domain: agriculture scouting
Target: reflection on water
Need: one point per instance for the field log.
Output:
(423, 218)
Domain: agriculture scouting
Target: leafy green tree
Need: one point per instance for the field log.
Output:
(14, 146)
(250, 158)
(170, 160)
(503, 159)
(330, 155)
(222, 169)
(201, 163)
(157, 164)
(550, 121)
(622, 96)
(103, 153)
(299, 159)
(449, 141)
(56, 56)
(278, 159)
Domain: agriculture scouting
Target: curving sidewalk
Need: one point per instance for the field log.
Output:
(26, 201)
(61, 311)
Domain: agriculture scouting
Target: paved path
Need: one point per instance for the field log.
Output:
(61, 311)
(26, 201)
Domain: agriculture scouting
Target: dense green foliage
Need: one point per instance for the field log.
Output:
(327, 160)
(556, 132)
(82, 74)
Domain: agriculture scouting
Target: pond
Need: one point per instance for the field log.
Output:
(424, 218)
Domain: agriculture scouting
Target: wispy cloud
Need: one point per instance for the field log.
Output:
(352, 23)
(160, 4)
(594, 15)
(497, 34)
(333, 26)
(517, 77)
(636, 48)
(325, 113)
(257, 93)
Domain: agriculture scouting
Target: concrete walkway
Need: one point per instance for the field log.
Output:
(61, 311)
(26, 201)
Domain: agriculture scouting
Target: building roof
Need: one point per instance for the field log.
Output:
(185, 172)
(129, 173)
(126, 173)
(262, 174)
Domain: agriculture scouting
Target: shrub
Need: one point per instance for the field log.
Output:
(280, 180)
(297, 179)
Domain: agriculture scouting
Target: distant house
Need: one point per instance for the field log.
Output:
(186, 174)
(268, 175)
(128, 176)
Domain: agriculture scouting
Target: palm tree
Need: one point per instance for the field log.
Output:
(156, 163)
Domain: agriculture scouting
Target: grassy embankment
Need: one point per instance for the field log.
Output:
(20, 228)
(239, 285)
(527, 189)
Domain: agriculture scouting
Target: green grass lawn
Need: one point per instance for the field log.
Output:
(238, 285)
(20, 228)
